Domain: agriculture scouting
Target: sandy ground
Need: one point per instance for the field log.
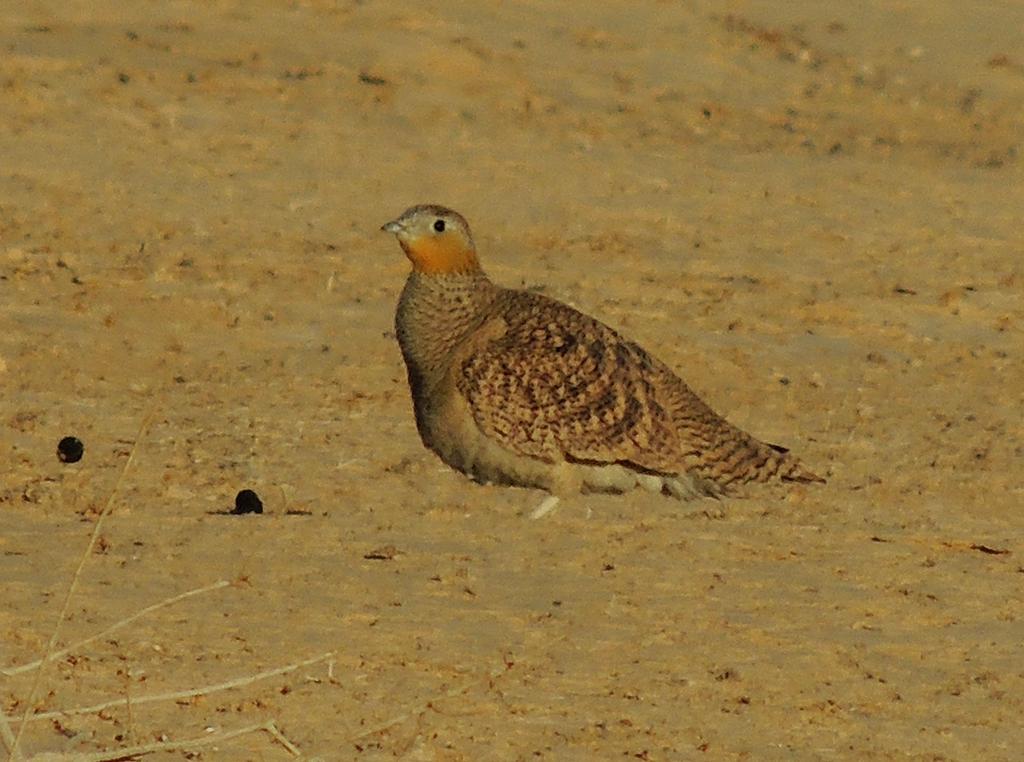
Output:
(812, 210)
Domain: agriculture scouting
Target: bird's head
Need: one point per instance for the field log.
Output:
(436, 240)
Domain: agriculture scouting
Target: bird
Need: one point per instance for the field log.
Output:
(511, 387)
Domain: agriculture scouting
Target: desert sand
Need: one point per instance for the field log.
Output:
(811, 210)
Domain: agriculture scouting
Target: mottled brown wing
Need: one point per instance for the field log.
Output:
(557, 383)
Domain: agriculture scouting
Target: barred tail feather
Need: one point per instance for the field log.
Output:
(792, 470)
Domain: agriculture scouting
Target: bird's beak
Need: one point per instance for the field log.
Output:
(394, 226)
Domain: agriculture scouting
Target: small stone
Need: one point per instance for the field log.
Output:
(70, 450)
(247, 501)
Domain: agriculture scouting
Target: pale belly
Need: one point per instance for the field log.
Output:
(450, 431)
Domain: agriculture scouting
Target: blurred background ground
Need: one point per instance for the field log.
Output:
(811, 210)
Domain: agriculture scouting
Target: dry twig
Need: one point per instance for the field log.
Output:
(10, 672)
(176, 695)
(182, 745)
(73, 587)
(10, 742)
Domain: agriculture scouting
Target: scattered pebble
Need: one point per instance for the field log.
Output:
(247, 501)
(384, 553)
(70, 450)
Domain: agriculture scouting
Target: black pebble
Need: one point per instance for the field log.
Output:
(247, 501)
(70, 450)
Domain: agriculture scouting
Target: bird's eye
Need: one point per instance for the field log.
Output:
(439, 226)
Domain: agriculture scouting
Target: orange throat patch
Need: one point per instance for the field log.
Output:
(441, 255)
